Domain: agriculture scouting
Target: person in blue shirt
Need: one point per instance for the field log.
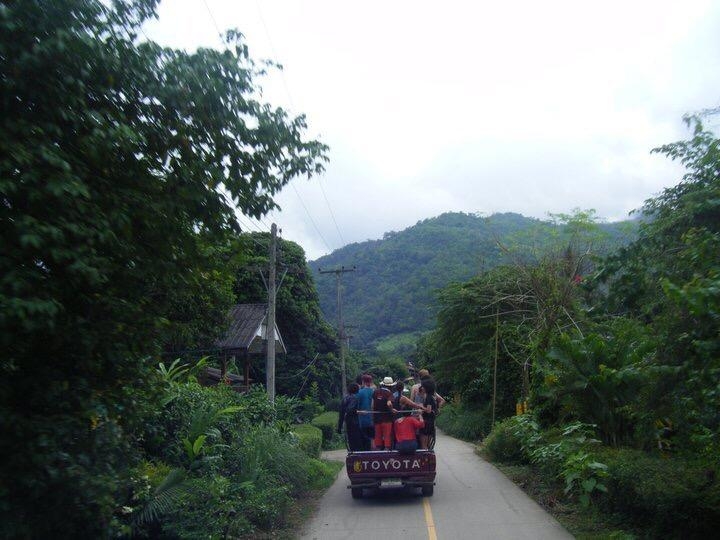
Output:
(364, 404)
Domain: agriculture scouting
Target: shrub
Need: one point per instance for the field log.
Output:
(322, 473)
(211, 507)
(266, 452)
(308, 409)
(333, 404)
(286, 409)
(309, 439)
(671, 496)
(265, 505)
(166, 428)
(464, 423)
(327, 422)
(503, 444)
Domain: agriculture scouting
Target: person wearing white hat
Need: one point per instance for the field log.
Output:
(383, 416)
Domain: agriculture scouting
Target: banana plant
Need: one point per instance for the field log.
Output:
(173, 373)
(177, 373)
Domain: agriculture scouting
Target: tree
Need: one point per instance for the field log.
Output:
(670, 280)
(310, 341)
(518, 309)
(121, 167)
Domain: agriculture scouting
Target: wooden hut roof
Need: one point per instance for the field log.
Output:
(246, 330)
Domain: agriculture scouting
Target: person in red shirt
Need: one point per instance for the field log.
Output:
(406, 432)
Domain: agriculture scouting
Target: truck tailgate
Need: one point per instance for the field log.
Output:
(389, 464)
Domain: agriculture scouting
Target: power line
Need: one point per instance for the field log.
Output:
(255, 227)
(274, 53)
(256, 242)
(287, 377)
(292, 105)
(332, 215)
(212, 19)
(250, 227)
(310, 217)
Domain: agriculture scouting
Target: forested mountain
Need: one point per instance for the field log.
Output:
(393, 288)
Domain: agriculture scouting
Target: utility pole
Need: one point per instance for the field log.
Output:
(341, 329)
(270, 333)
(497, 338)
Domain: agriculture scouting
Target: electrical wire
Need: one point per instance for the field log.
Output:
(311, 219)
(292, 105)
(212, 18)
(299, 372)
(332, 214)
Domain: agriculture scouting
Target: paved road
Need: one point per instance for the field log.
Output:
(472, 500)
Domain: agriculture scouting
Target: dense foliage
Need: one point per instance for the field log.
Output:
(619, 357)
(392, 291)
(496, 327)
(218, 463)
(122, 165)
(311, 343)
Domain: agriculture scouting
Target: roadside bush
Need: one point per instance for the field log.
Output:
(165, 429)
(464, 423)
(670, 496)
(211, 507)
(309, 439)
(327, 423)
(503, 444)
(286, 409)
(257, 408)
(266, 451)
(308, 409)
(265, 505)
(322, 474)
(333, 404)
(564, 453)
(248, 467)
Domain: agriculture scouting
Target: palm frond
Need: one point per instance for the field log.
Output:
(164, 497)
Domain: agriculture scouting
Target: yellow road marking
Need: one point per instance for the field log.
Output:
(429, 519)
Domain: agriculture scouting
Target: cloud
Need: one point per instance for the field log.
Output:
(474, 106)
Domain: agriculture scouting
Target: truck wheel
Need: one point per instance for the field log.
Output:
(357, 493)
(427, 491)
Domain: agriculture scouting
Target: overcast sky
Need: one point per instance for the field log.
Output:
(429, 107)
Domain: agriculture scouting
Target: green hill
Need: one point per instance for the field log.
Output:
(393, 287)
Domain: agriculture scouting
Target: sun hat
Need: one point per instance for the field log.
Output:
(388, 381)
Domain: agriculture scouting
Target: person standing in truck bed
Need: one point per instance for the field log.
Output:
(383, 415)
(427, 393)
(365, 404)
(401, 402)
(349, 416)
(424, 374)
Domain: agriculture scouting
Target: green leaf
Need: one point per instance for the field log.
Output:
(589, 484)
(189, 449)
(198, 444)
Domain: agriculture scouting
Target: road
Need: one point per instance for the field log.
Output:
(472, 500)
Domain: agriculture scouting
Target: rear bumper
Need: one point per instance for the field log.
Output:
(378, 482)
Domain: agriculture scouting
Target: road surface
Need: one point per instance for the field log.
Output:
(472, 500)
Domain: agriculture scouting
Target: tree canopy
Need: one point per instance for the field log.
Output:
(122, 164)
(626, 342)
